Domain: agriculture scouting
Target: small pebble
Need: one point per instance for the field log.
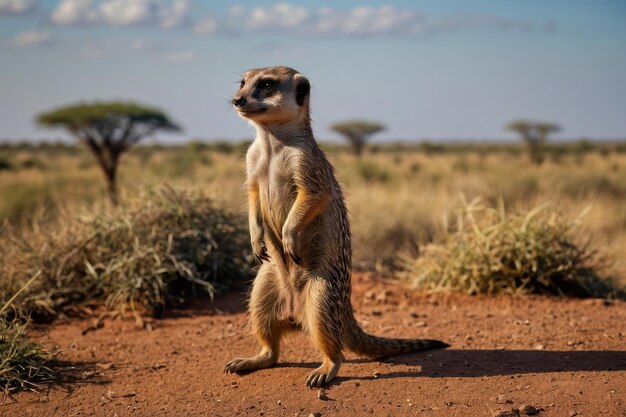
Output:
(502, 399)
(321, 394)
(528, 410)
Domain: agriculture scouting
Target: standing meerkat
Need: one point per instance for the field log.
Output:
(300, 233)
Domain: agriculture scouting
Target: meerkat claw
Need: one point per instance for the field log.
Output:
(261, 259)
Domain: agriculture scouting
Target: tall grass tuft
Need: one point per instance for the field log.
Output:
(495, 252)
(162, 249)
(23, 363)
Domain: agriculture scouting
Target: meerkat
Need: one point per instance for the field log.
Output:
(300, 233)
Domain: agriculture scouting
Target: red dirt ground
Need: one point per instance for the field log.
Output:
(566, 357)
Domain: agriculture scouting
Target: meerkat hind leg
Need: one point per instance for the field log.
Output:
(265, 306)
(325, 328)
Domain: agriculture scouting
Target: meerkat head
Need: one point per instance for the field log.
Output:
(273, 95)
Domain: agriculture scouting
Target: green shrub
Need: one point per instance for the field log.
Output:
(493, 252)
(33, 163)
(165, 248)
(432, 148)
(224, 147)
(5, 164)
(372, 172)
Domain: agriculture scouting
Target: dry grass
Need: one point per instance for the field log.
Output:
(398, 196)
(495, 252)
(23, 363)
(162, 249)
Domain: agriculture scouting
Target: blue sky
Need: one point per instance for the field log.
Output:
(428, 69)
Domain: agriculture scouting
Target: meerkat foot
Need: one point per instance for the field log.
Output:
(323, 375)
(260, 361)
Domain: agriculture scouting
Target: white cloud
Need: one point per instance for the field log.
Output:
(327, 21)
(175, 16)
(121, 13)
(17, 6)
(30, 38)
(358, 21)
(127, 12)
(73, 12)
(182, 56)
(278, 16)
(206, 25)
(368, 21)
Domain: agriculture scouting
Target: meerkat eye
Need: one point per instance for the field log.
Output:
(242, 83)
(266, 84)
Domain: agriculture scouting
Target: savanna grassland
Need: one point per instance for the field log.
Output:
(399, 197)
(478, 219)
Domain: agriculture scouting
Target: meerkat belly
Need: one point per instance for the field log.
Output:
(278, 196)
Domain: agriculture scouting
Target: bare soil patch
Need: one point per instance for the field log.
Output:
(560, 357)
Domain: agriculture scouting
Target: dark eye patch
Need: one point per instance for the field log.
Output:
(266, 84)
(242, 83)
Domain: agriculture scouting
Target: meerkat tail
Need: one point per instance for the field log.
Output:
(372, 346)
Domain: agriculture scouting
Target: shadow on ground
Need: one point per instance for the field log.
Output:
(479, 363)
(232, 302)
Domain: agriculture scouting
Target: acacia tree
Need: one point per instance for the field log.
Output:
(108, 130)
(357, 132)
(535, 135)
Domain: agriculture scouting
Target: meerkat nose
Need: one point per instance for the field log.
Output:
(239, 101)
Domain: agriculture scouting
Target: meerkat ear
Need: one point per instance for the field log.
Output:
(302, 89)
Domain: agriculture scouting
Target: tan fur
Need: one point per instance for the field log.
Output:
(300, 232)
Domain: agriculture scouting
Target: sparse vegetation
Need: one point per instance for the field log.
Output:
(495, 252)
(396, 197)
(357, 133)
(23, 364)
(164, 248)
(372, 172)
(108, 130)
(534, 135)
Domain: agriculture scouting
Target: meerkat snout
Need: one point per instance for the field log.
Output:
(239, 101)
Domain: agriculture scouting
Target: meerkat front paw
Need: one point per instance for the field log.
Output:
(290, 245)
(260, 250)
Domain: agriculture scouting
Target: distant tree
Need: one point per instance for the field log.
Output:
(108, 129)
(535, 135)
(357, 132)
